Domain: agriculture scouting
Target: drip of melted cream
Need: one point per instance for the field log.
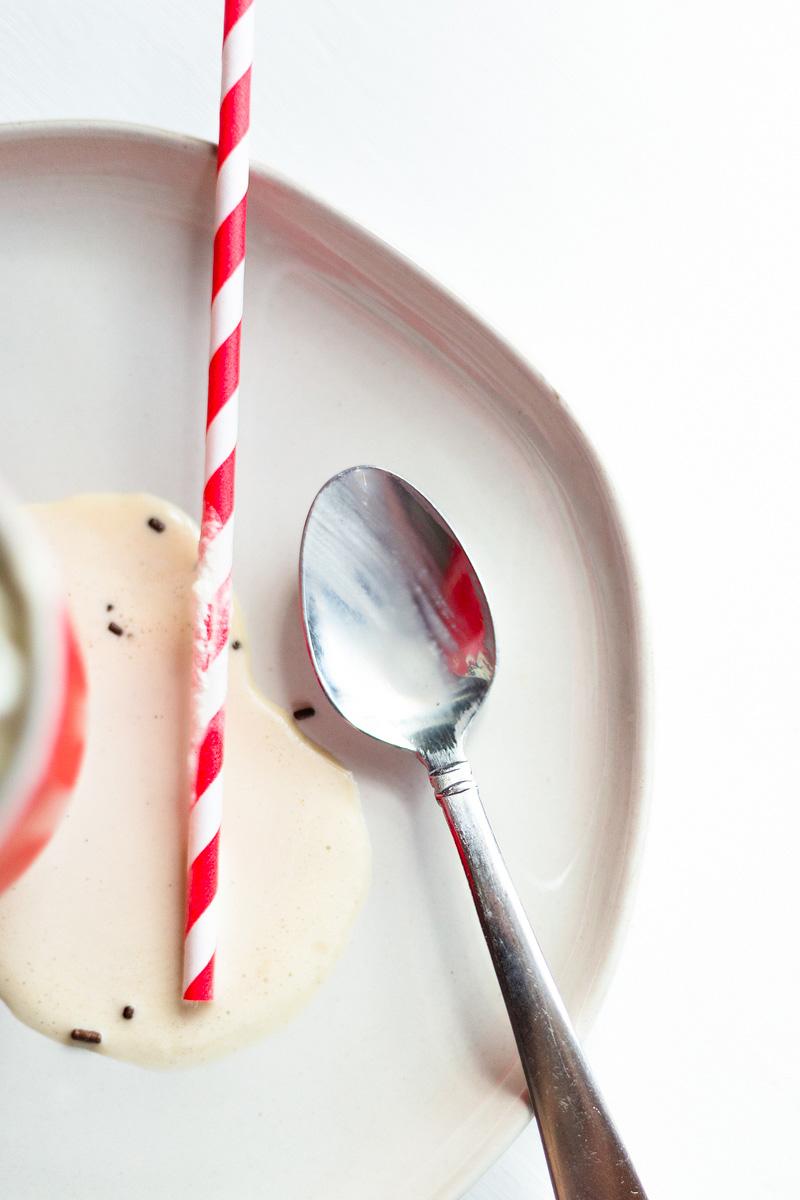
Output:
(96, 924)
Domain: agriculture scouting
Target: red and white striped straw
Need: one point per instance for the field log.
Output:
(212, 589)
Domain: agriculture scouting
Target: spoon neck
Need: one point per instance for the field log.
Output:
(449, 768)
(452, 778)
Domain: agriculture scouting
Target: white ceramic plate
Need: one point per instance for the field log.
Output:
(400, 1080)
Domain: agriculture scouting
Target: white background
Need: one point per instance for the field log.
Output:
(615, 187)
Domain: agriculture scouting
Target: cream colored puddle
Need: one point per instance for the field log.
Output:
(96, 925)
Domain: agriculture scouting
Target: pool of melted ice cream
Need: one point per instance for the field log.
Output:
(95, 927)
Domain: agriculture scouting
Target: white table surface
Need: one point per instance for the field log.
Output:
(614, 187)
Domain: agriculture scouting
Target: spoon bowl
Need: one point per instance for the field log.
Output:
(397, 623)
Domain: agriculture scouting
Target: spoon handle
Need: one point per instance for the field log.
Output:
(584, 1152)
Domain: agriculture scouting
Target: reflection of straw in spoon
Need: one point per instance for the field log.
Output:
(401, 637)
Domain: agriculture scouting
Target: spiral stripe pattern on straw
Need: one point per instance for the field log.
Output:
(212, 590)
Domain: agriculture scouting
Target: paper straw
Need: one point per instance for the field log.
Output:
(212, 589)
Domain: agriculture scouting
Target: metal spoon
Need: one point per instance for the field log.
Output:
(401, 638)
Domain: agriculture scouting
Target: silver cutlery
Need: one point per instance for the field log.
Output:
(401, 638)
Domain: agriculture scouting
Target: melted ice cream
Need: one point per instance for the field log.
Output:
(95, 926)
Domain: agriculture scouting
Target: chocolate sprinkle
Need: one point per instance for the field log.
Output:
(109, 607)
(127, 1012)
(154, 523)
(237, 645)
(302, 714)
(87, 1035)
(114, 628)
